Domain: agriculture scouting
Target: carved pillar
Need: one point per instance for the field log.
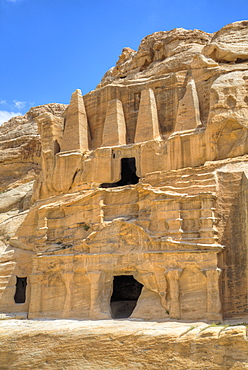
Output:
(162, 286)
(95, 296)
(175, 152)
(153, 279)
(35, 306)
(207, 229)
(158, 217)
(106, 293)
(213, 295)
(68, 280)
(173, 277)
(174, 220)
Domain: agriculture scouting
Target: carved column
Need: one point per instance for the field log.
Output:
(175, 152)
(213, 295)
(162, 286)
(95, 295)
(174, 220)
(207, 230)
(101, 212)
(173, 277)
(68, 280)
(35, 306)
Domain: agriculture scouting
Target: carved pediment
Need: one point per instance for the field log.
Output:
(118, 237)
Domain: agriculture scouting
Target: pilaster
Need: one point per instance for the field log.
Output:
(173, 277)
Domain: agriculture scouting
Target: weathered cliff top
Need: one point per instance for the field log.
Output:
(180, 49)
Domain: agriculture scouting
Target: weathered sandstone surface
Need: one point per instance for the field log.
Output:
(20, 147)
(20, 161)
(118, 345)
(132, 202)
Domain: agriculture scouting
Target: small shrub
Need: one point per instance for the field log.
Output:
(85, 226)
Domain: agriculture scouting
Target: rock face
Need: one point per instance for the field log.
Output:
(140, 207)
(118, 345)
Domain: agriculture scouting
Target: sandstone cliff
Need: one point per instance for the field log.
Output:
(132, 201)
(20, 160)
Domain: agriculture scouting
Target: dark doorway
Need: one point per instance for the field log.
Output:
(128, 174)
(20, 294)
(126, 291)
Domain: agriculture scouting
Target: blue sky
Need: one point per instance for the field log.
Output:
(49, 48)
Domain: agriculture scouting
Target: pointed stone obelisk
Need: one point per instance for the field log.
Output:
(188, 113)
(147, 124)
(114, 130)
(76, 125)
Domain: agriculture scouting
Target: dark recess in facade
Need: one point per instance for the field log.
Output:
(128, 174)
(126, 291)
(20, 294)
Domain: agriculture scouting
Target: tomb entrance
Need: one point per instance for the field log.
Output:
(126, 291)
(20, 293)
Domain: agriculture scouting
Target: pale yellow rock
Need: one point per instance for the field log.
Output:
(158, 53)
(227, 123)
(229, 44)
(140, 206)
(147, 124)
(188, 114)
(120, 345)
(20, 146)
(75, 135)
(114, 129)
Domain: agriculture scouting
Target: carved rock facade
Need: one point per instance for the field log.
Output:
(140, 207)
